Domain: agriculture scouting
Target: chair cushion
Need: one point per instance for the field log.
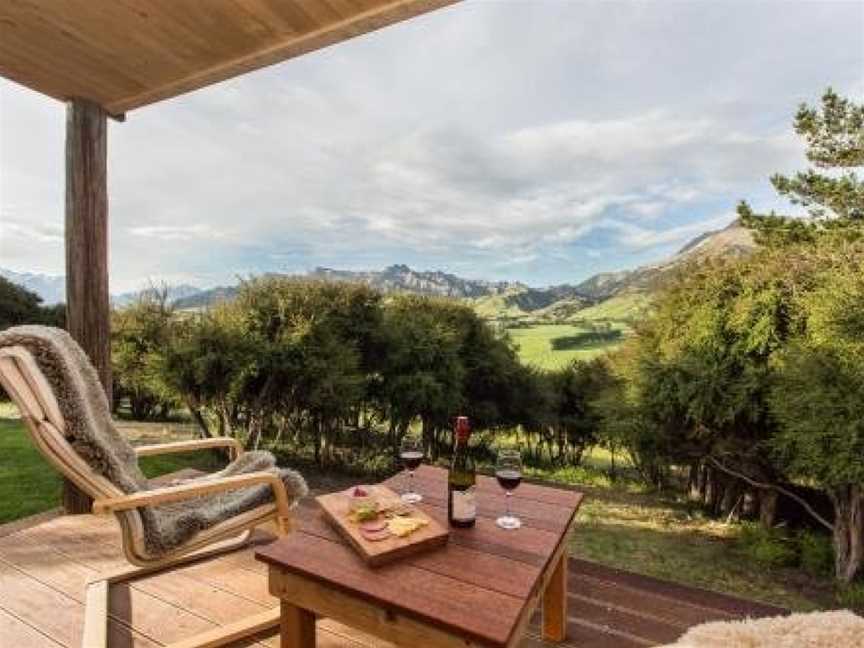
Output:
(169, 526)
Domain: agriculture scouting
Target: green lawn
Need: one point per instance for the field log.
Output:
(665, 536)
(29, 485)
(535, 345)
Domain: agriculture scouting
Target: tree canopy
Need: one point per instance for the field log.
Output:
(831, 192)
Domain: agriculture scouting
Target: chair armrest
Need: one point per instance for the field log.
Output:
(191, 490)
(191, 446)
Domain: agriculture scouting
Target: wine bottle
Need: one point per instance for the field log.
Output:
(461, 489)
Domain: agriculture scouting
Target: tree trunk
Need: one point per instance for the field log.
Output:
(710, 492)
(729, 500)
(848, 532)
(750, 504)
(199, 419)
(391, 439)
(767, 508)
(562, 443)
(428, 441)
(694, 480)
(87, 297)
(316, 429)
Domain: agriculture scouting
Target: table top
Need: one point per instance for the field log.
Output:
(478, 585)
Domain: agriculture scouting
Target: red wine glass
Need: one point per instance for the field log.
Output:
(508, 472)
(411, 453)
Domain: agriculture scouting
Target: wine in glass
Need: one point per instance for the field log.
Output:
(508, 471)
(411, 454)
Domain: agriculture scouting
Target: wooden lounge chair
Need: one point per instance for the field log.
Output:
(28, 387)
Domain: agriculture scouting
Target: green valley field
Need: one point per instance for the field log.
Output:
(537, 343)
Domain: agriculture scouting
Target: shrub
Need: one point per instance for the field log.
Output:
(816, 553)
(851, 596)
(771, 547)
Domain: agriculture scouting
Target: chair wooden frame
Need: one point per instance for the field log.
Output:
(29, 389)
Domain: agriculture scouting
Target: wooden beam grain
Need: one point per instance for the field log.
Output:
(381, 14)
(297, 627)
(87, 297)
(555, 602)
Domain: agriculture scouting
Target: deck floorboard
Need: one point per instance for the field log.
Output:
(44, 568)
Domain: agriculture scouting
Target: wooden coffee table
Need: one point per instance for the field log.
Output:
(479, 590)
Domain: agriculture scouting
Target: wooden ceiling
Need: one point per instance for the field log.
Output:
(124, 54)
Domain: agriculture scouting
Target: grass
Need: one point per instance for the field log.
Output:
(496, 307)
(535, 345)
(622, 525)
(665, 538)
(29, 485)
(627, 307)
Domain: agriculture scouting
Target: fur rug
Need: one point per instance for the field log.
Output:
(90, 430)
(835, 629)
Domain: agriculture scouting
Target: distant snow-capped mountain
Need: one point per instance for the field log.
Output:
(174, 293)
(52, 288)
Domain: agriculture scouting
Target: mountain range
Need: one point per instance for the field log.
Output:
(608, 295)
(52, 288)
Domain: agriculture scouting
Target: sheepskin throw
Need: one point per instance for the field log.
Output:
(90, 430)
(836, 629)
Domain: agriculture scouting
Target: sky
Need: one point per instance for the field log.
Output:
(533, 140)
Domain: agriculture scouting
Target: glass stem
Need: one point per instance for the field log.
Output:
(410, 481)
(507, 497)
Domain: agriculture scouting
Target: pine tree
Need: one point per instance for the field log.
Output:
(831, 192)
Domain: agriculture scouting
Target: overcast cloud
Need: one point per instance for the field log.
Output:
(539, 140)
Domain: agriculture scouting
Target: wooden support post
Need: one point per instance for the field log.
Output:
(555, 603)
(87, 299)
(297, 627)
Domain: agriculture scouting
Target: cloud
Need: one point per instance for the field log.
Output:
(525, 188)
(177, 232)
(527, 140)
(636, 237)
(47, 233)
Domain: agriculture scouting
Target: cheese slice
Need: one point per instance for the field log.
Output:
(404, 526)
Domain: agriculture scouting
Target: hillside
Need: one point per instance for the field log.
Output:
(626, 307)
(733, 240)
(625, 295)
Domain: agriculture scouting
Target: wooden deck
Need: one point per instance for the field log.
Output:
(44, 568)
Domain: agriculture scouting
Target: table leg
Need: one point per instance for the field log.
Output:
(555, 603)
(297, 627)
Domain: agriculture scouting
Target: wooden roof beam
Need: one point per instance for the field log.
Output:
(293, 46)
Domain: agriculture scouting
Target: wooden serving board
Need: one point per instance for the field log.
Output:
(335, 508)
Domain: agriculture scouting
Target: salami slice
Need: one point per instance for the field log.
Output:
(375, 536)
(374, 525)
